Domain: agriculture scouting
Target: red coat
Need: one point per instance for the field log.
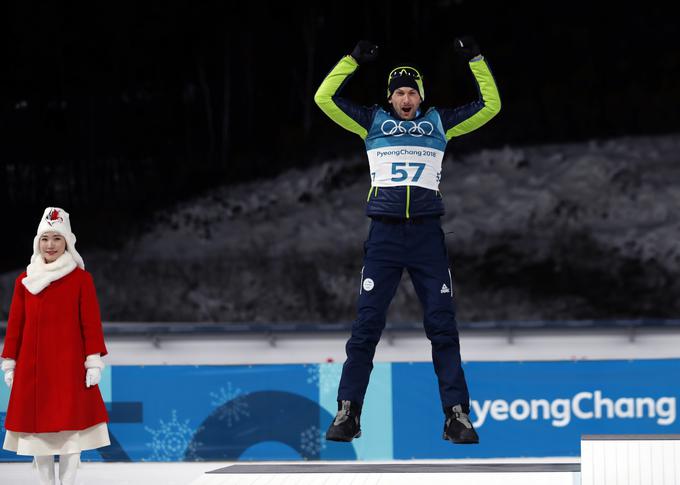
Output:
(49, 335)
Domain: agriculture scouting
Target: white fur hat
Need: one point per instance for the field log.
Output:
(55, 219)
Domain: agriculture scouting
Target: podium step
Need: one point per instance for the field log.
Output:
(394, 474)
(634, 459)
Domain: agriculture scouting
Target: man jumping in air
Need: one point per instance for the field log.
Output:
(405, 150)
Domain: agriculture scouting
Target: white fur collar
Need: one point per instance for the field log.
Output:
(40, 274)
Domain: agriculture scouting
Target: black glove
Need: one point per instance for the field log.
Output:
(365, 51)
(466, 47)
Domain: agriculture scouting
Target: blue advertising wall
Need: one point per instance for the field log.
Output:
(280, 412)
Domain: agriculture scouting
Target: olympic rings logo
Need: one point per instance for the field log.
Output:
(392, 128)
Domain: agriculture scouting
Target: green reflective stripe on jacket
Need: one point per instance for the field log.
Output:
(330, 85)
(372, 190)
(490, 97)
(408, 201)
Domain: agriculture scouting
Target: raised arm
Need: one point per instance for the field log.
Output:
(349, 115)
(469, 117)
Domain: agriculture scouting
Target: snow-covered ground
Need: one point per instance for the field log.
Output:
(580, 230)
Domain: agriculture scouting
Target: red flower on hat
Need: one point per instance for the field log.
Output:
(53, 217)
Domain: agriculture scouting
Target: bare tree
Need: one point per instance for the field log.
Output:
(226, 104)
(207, 103)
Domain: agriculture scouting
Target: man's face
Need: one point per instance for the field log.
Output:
(405, 102)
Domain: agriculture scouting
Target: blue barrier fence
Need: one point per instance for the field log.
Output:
(280, 412)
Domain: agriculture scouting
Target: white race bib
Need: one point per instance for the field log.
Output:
(405, 165)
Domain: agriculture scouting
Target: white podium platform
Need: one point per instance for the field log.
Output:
(394, 474)
(605, 460)
(630, 459)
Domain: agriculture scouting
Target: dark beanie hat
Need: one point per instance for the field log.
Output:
(403, 82)
(405, 77)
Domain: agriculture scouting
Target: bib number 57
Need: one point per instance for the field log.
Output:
(400, 172)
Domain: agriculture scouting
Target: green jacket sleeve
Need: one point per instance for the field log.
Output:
(350, 116)
(467, 118)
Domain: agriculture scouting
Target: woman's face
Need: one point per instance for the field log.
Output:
(52, 245)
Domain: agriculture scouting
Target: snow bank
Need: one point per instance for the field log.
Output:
(582, 230)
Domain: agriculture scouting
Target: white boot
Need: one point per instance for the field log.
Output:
(68, 466)
(45, 467)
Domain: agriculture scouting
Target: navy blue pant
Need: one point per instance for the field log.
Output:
(420, 249)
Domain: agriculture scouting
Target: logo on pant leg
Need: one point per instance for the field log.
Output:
(445, 289)
(368, 284)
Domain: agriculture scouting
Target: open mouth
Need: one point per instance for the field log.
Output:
(406, 109)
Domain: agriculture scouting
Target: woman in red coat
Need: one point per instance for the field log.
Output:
(52, 356)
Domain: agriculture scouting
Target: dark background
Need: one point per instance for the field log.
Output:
(114, 110)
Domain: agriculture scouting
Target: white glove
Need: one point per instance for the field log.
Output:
(9, 378)
(94, 365)
(8, 366)
(92, 377)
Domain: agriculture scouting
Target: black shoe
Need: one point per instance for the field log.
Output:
(458, 428)
(346, 425)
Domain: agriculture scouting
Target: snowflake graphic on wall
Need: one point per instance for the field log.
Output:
(313, 374)
(312, 441)
(325, 376)
(231, 404)
(171, 440)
